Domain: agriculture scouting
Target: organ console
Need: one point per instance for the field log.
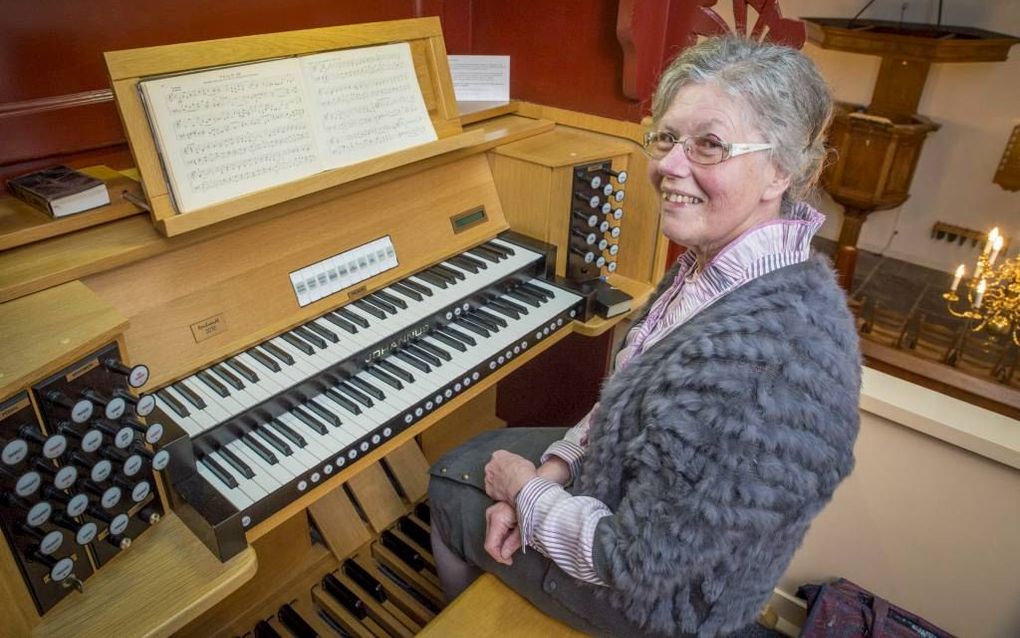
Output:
(282, 413)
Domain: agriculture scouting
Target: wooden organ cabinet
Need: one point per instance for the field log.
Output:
(284, 446)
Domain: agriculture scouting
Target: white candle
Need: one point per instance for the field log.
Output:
(996, 247)
(956, 278)
(982, 286)
(991, 240)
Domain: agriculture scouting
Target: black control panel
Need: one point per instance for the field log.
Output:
(78, 485)
(596, 205)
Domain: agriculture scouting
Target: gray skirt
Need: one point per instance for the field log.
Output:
(458, 502)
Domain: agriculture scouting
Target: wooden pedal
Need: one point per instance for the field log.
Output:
(407, 603)
(409, 468)
(423, 581)
(357, 627)
(389, 617)
(377, 497)
(337, 520)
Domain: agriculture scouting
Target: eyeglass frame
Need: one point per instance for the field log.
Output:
(730, 150)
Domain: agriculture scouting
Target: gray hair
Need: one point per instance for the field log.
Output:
(787, 97)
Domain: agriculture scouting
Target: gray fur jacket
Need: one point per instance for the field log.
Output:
(717, 446)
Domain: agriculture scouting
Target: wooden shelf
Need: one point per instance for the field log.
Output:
(165, 581)
(471, 112)
(21, 224)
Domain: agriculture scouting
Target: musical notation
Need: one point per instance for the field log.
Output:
(228, 132)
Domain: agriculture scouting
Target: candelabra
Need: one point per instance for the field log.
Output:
(992, 294)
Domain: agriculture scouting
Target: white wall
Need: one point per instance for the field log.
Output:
(977, 104)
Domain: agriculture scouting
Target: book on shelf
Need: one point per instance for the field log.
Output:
(60, 191)
(234, 130)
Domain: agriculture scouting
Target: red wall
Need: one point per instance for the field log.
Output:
(563, 53)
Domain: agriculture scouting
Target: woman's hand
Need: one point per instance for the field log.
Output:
(505, 475)
(501, 536)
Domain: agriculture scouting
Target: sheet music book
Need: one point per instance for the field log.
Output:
(231, 131)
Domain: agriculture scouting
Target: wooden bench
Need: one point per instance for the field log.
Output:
(490, 608)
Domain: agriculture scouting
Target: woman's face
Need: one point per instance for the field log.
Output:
(706, 207)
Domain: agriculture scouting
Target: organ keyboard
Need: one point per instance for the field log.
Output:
(275, 419)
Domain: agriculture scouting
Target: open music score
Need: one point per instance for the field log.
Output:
(230, 131)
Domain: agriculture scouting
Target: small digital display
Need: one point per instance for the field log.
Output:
(468, 219)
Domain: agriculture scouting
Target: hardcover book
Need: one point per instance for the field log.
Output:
(60, 191)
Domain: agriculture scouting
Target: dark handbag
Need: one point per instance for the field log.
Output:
(845, 610)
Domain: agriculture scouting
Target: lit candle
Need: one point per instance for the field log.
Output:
(991, 240)
(996, 247)
(982, 286)
(956, 278)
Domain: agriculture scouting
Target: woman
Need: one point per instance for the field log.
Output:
(730, 417)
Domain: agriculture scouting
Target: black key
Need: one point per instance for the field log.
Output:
(499, 321)
(392, 299)
(415, 532)
(353, 317)
(355, 394)
(480, 264)
(382, 303)
(521, 290)
(264, 359)
(293, 621)
(298, 343)
(423, 512)
(320, 411)
(435, 350)
(386, 377)
(340, 322)
(422, 354)
(476, 328)
(274, 441)
(412, 361)
(367, 388)
(219, 472)
(463, 264)
(458, 335)
(481, 320)
(449, 272)
(492, 251)
(371, 309)
(228, 376)
(365, 580)
(537, 291)
(344, 596)
(213, 384)
(506, 250)
(189, 395)
(243, 370)
(417, 287)
(279, 353)
(403, 551)
(485, 254)
(174, 404)
(450, 341)
(520, 296)
(433, 279)
(407, 291)
(343, 401)
(265, 630)
(310, 337)
(515, 306)
(305, 417)
(322, 331)
(265, 453)
(235, 462)
(288, 433)
(396, 371)
(504, 310)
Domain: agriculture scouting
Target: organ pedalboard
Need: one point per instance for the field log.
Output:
(77, 473)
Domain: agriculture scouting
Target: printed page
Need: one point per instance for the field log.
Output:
(232, 131)
(367, 102)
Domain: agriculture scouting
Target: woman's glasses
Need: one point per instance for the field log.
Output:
(699, 149)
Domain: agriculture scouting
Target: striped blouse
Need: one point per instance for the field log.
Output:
(562, 526)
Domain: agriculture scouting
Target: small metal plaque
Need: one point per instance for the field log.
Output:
(208, 327)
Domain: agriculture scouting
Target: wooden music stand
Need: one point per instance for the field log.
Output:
(428, 51)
